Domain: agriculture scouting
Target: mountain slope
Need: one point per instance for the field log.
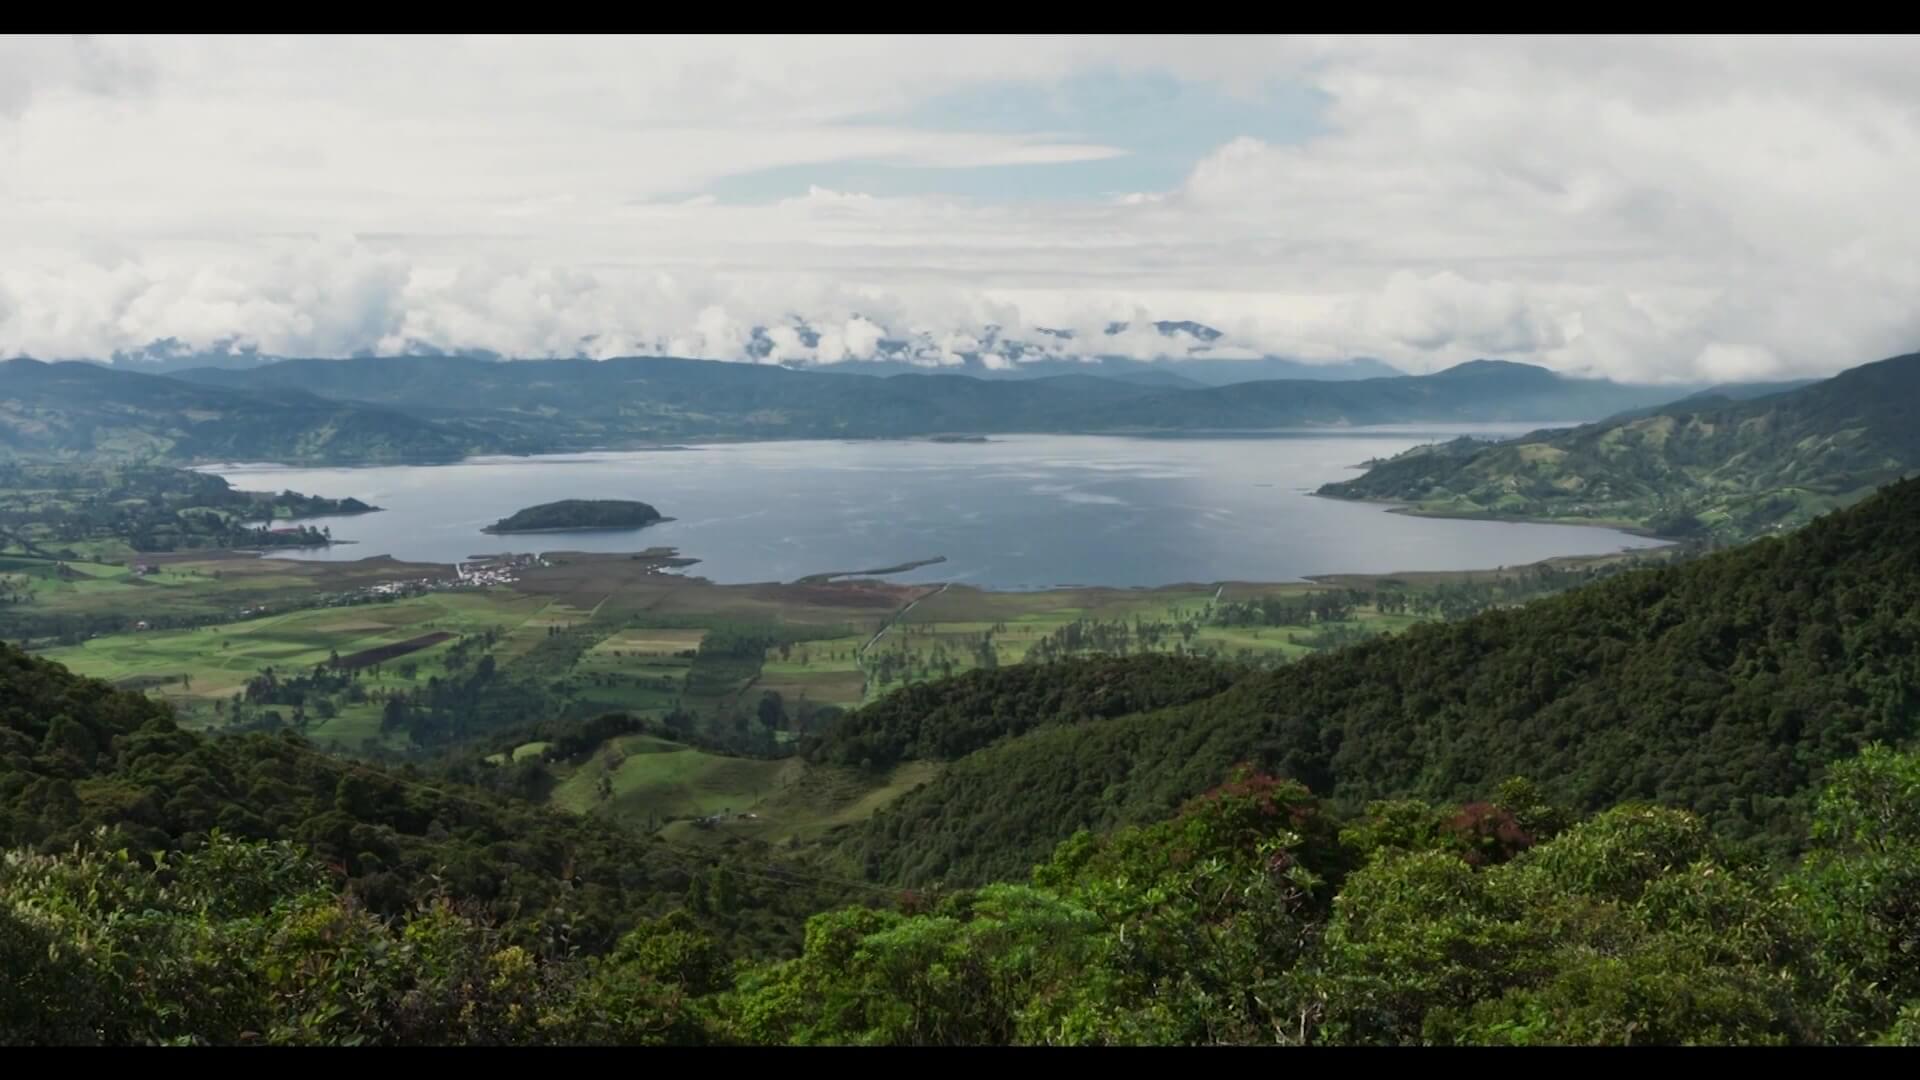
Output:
(1715, 464)
(1724, 685)
(1165, 375)
(1479, 391)
(1188, 373)
(84, 410)
(583, 403)
(578, 403)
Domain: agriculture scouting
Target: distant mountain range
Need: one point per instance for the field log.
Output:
(1730, 462)
(1170, 374)
(1479, 391)
(1185, 354)
(433, 408)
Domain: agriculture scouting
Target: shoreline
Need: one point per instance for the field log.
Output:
(1398, 506)
(336, 513)
(671, 558)
(1435, 428)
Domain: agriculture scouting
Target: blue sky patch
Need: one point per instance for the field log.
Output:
(1164, 125)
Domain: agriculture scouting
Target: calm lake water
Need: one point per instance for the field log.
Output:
(1019, 512)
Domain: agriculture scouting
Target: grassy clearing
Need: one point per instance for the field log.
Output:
(809, 801)
(645, 781)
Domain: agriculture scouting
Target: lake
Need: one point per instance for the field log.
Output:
(1018, 512)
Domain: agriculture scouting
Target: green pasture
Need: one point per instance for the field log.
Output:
(217, 661)
(651, 779)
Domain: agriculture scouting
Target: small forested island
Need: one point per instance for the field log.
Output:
(568, 515)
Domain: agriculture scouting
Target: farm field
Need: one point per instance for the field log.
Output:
(725, 676)
(958, 629)
(698, 796)
(614, 633)
(44, 598)
(641, 670)
(400, 645)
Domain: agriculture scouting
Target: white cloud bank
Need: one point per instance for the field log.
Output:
(1645, 208)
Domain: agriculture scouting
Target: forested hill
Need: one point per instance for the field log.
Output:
(1723, 685)
(1481, 391)
(77, 755)
(1708, 465)
(578, 514)
(83, 411)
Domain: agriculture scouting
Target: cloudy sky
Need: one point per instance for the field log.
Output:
(1664, 208)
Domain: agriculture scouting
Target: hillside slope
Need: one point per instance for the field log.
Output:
(77, 755)
(1724, 685)
(1479, 391)
(1732, 468)
(78, 410)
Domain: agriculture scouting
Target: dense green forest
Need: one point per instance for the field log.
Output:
(78, 757)
(578, 514)
(949, 719)
(1702, 466)
(1722, 685)
(1252, 917)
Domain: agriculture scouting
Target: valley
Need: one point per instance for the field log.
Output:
(487, 664)
(395, 662)
(938, 541)
(1708, 806)
(752, 757)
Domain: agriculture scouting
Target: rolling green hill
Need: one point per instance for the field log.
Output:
(78, 756)
(1707, 465)
(1256, 914)
(1724, 686)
